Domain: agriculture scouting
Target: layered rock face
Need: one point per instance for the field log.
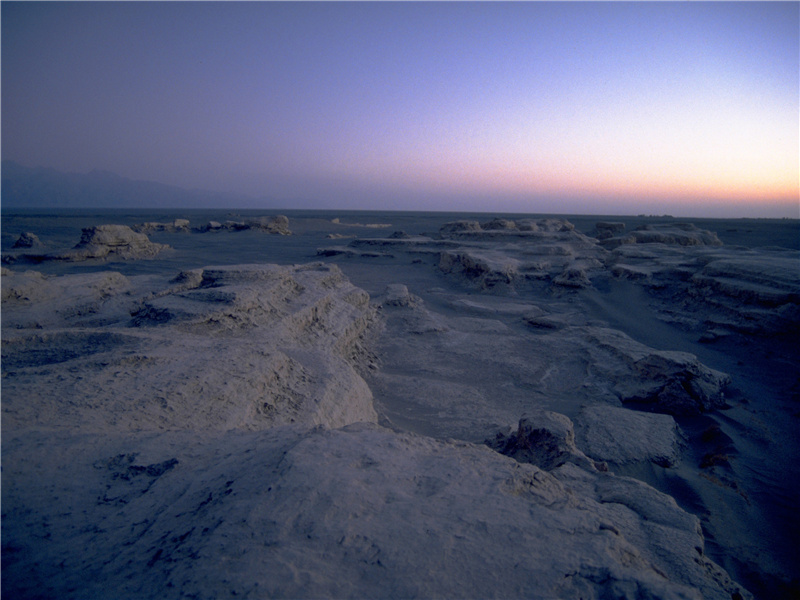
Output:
(101, 242)
(278, 224)
(664, 381)
(724, 289)
(612, 235)
(112, 240)
(547, 250)
(244, 347)
(176, 226)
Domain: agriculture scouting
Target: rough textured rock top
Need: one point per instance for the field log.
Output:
(532, 250)
(665, 381)
(222, 347)
(27, 240)
(621, 436)
(278, 224)
(117, 240)
(680, 234)
(351, 513)
(178, 225)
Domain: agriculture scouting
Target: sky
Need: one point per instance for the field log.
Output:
(684, 108)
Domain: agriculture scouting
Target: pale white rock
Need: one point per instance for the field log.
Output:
(247, 346)
(111, 241)
(621, 436)
(489, 268)
(358, 512)
(667, 381)
(397, 294)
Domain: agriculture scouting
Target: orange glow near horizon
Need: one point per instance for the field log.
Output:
(398, 104)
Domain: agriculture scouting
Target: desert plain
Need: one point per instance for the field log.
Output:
(399, 405)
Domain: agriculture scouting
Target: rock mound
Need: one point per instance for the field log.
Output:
(621, 436)
(358, 512)
(678, 234)
(664, 381)
(111, 241)
(246, 346)
(548, 250)
(278, 225)
(545, 439)
(177, 226)
(28, 240)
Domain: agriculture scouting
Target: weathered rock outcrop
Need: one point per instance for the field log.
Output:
(111, 241)
(531, 250)
(118, 241)
(278, 224)
(620, 436)
(735, 289)
(246, 347)
(177, 226)
(680, 234)
(545, 439)
(350, 513)
(102, 242)
(665, 381)
(28, 240)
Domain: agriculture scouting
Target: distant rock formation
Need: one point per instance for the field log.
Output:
(609, 229)
(680, 234)
(27, 240)
(178, 225)
(533, 250)
(278, 224)
(111, 241)
(99, 243)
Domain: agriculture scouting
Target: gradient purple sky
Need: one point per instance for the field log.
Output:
(690, 109)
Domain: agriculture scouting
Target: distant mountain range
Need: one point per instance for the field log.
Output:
(40, 187)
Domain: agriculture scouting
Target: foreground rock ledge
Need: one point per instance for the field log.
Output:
(350, 513)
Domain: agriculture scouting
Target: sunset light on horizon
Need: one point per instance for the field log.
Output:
(681, 108)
